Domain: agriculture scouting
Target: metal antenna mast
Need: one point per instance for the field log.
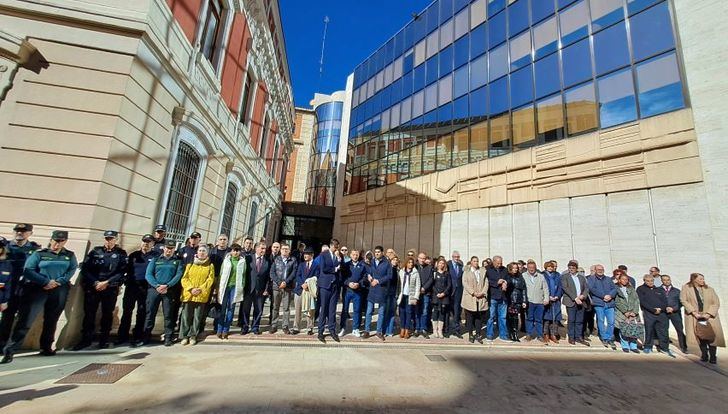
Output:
(323, 46)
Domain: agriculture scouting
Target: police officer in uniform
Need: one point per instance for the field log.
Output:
(135, 292)
(163, 275)
(160, 232)
(101, 274)
(18, 252)
(47, 274)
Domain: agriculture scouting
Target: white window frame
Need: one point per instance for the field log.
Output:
(236, 179)
(244, 116)
(226, 22)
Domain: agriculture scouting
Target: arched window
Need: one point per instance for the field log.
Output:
(228, 211)
(181, 194)
(253, 218)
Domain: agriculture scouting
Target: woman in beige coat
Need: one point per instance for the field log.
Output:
(475, 299)
(701, 305)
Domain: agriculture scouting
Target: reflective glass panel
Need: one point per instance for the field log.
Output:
(498, 62)
(478, 104)
(433, 18)
(550, 112)
(518, 17)
(419, 77)
(581, 109)
(500, 135)
(574, 23)
(479, 141)
(524, 128)
(403, 165)
(651, 32)
(446, 61)
(446, 34)
(462, 23)
(460, 85)
(431, 70)
(498, 96)
(407, 84)
(520, 50)
(444, 152)
(460, 148)
(577, 63)
(659, 85)
(545, 38)
(497, 30)
(547, 75)
(431, 97)
(420, 52)
(477, 13)
(634, 6)
(415, 161)
(522, 87)
(617, 103)
(563, 3)
(461, 51)
(478, 41)
(429, 156)
(605, 12)
(433, 44)
(406, 110)
(610, 49)
(409, 61)
(494, 6)
(445, 90)
(445, 10)
(478, 72)
(541, 9)
(418, 104)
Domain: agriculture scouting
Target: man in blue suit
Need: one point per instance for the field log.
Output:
(455, 266)
(257, 287)
(328, 292)
(379, 280)
(306, 269)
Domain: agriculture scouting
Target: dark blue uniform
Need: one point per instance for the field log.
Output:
(135, 294)
(353, 273)
(17, 255)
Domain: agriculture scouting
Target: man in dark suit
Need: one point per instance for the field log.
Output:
(574, 298)
(257, 281)
(673, 310)
(328, 292)
(455, 267)
(305, 270)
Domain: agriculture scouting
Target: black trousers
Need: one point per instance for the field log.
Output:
(677, 323)
(175, 293)
(512, 319)
(575, 318)
(7, 319)
(91, 302)
(154, 298)
(255, 301)
(456, 311)
(327, 312)
(474, 322)
(589, 327)
(656, 326)
(135, 296)
(34, 301)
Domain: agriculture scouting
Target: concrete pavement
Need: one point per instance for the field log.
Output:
(275, 373)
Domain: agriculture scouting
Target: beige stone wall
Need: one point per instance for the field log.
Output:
(303, 155)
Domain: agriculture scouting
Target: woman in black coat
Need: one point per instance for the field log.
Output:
(516, 296)
(441, 290)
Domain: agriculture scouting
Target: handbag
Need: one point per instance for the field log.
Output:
(215, 311)
(704, 331)
(632, 329)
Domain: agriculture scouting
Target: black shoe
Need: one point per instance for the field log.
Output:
(168, 342)
(684, 350)
(471, 339)
(256, 332)
(121, 341)
(82, 345)
(310, 332)
(458, 335)
(135, 344)
(7, 358)
(425, 335)
(103, 345)
(380, 336)
(416, 334)
(321, 338)
(335, 337)
(272, 331)
(712, 360)
(365, 335)
(286, 331)
(244, 331)
(47, 352)
(613, 345)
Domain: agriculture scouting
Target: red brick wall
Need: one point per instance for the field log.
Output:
(186, 12)
(235, 62)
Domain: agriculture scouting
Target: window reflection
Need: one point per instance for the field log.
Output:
(415, 161)
(478, 41)
(444, 152)
(550, 119)
(429, 156)
(498, 94)
(460, 86)
(524, 128)
(500, 135)
(497, 30)
(518, 17)
(498, 61)
(545, 38)
(478, 72)
(581, 109)
(541, 9)
(605, 13)
(659, 85)
(522, 86)
(610, 49)
(634, 6)
(547, 76)
(616, 99)
(577, 63)
(574, 22)
(479, 141)
(460, 149)
(651, 32)
(520, 51)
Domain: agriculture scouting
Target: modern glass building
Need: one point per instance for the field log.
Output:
(470, 80)
(324, 164)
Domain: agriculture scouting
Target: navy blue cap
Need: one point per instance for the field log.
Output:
(23, 227)
(59, 235)
(160, 227)
(111, 233)
(147, 238)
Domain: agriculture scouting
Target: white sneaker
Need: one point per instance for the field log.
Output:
(356, 333)
(185, 341)
(193, 341)
(342, 332)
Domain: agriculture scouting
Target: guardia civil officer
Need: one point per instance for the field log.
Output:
(47, 274)
(163, 275)
(160, 234)
(18, 252)
(135, 292)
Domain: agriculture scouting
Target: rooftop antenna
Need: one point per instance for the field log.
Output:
(323, 46)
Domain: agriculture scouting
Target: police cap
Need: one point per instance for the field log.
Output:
(170, 243)
(195, 235)
(59, 235)
(147, 238)
(23, 227)
(160, 227)
(111, 233)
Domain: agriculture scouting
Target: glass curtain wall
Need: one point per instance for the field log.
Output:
(325, 151)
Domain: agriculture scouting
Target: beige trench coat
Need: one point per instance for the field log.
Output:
(470, 288)
(711, 304)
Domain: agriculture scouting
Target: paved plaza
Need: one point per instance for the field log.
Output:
(273, 373)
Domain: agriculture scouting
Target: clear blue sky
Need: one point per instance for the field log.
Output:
(356, 29)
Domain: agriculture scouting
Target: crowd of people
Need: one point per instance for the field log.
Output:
(415, 295)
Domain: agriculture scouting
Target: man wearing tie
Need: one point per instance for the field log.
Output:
(328, 292)
(306, 269)
(379, 279)
(455, 266)
(257, 280)
(673, 310)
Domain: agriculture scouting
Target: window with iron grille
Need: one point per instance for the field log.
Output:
(210, 33)
(181, 192)
(264, 137)
(229, 210)
(253, 218)
(245, 107)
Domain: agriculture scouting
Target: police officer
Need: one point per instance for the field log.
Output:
(135, 291)
(6, 275)
(47, 274)
(101, 274)
(18, 252)
(160, 232)
(163, 275)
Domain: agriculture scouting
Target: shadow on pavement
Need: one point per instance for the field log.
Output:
(29, 395)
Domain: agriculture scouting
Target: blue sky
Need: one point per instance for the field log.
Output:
(356, 29)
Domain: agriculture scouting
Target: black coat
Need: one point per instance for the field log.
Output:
(257, 281)
(494, 274)
(652, 298)
(516, 290)
(673, 298)
(441, 283)
(426, 279)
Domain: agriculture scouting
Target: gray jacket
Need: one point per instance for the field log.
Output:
(283, 270)
(570, 289)
(537, 290)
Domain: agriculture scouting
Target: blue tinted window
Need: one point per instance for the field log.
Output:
(419, 77)
(497, 30)
(407, 85)
(520, 50)
(610, 49)
(431, 70)
(460, 108)
(659, 86)
(521, 87)
(651, 32)
(399, 44)
(461, 51)
(574, 23)
(494, 6)
(420, 28)
(446, 61)
(541, 9)
(432, 18)
(479, 102)
(547, 76)
(518, 17)
(445, 10)
(408, 62)
(461, 85)
(545, 38)
(478, 72)
(563, 3)
(498, 96)
(396, 90)
(409, 40)
(459, 4)
(478, 41)
(633, 6)
(616, 99)
(444, 113)
(577, 63)
(605, 13)
(498, 62)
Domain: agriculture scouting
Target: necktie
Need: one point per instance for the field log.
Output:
(257, 265)
(308, 268)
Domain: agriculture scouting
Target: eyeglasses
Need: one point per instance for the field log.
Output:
(344, 250)
(109, 238)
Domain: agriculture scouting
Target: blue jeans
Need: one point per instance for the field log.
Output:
(423, 312)
(227, 310)
(355, 298)
(627, 343)
(534, 320)
(498, 310)
(407, 313)
(605, 321)
(380, 317)
(389, 311)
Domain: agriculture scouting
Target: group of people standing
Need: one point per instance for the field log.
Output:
(430, 295)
